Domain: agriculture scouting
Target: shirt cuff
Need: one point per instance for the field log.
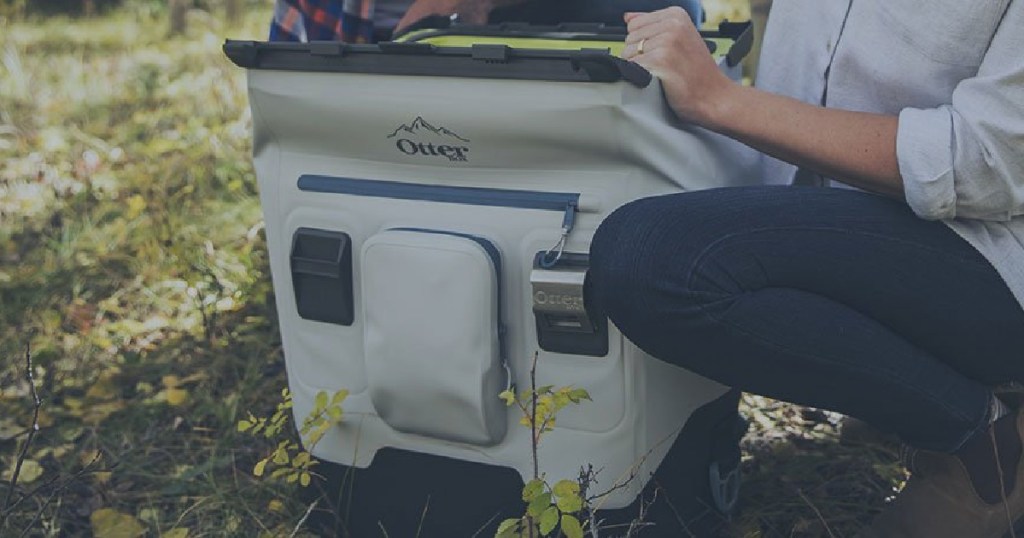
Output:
(924, 150)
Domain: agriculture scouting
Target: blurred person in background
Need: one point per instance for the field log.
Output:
(368, 21)
(759, 16)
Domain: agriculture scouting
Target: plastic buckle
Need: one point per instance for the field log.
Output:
(326, 48)
(490, 53)
(725, 490)
(510, 384)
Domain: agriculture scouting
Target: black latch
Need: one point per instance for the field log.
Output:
(321, 268)
(603, 67)
(491, 53)
(326, 48)
(743, 34)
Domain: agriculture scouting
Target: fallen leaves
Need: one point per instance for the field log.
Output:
(109, 523)
(173, 393)
(9, 429)
(105, 196)
(104, 389)
(176, 397)
(95, 414)
(30, 471)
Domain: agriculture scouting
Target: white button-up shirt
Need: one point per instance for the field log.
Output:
(953, 70)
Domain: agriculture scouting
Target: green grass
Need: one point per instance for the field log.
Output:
(132, 260)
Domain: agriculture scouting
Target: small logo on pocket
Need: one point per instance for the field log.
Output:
(421, 139)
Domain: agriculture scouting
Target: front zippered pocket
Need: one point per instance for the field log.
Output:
(566, 203)
(432, 334)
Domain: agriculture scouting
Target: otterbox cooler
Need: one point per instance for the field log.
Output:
(429, 206)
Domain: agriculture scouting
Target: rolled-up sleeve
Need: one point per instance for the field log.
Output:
(966, 159)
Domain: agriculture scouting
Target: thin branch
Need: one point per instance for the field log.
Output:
(816, 512)
(423, 517)
(53, 494)
(633, 471)
(535, 437)
(619, 484)
(28, 495)
(533, 416)
(586, 479)
(302, 521)
(640, 522)
(37, 405)
(483, 527)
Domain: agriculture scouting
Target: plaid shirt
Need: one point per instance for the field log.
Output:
(350, 21)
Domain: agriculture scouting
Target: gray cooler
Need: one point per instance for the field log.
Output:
(429, 206)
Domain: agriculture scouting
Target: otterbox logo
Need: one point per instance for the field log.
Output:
(567, 302)
(422, 139)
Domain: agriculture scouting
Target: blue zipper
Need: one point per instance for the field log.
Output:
(548, 201)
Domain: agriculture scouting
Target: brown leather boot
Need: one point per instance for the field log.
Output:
(971, 494)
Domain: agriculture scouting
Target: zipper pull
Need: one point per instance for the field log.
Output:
(553, 254)
(569, 219)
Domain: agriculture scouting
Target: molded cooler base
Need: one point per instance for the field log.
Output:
(414, 494)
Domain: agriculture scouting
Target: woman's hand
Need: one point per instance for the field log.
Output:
(668, 45)
(855, 147)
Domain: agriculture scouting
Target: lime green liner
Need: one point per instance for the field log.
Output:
(614, 47)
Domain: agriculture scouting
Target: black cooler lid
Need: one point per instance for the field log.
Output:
(475, 61)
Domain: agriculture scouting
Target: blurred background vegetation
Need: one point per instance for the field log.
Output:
(133, 268)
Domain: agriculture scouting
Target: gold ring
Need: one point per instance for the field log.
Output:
(640, 47)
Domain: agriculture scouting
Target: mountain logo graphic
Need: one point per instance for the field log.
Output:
(421, 139)
(420, 126)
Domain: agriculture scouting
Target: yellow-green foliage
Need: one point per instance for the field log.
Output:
(540, 407)
(291, 462)
(549, 509)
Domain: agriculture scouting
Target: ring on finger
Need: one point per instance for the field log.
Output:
(640, 46)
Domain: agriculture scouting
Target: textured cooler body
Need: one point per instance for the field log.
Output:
(405, 215)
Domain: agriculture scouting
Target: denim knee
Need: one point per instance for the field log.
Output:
(621, 272)
(655, 257)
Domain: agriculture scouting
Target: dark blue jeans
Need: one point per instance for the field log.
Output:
(824, 297)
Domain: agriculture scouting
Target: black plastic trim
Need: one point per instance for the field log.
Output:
(742, 33)
(564, 31)
(411, 58)
(421, 59)
(491, 53)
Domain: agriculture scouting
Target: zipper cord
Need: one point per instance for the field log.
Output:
(568, 222)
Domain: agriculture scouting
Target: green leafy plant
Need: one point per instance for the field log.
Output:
(551, 510)
(289, 460)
